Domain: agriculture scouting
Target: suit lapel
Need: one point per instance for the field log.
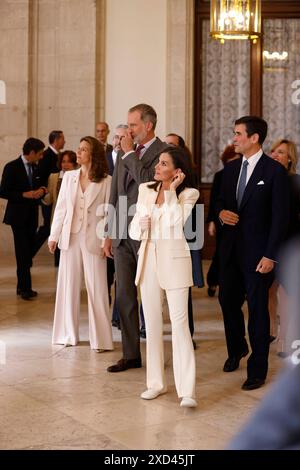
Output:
(256, 176)
(234, 173)
(92, 192)
(74, 186)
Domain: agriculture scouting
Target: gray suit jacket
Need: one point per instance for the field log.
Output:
(122, 197)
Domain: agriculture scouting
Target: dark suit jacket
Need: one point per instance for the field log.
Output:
(263, 214)
(47, 165)
(19, 210)
(110, 162)
(141, 171)
(294, 225)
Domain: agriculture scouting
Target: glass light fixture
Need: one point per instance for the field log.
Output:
(235, 19)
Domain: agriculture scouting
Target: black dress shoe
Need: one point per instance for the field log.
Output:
(252, 384)
(232, 363)
(124, 364)
(283, 354)
(27, 295)
(211, 291)
(143, 333)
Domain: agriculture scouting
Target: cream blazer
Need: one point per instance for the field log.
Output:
(96, 207)
(174, 266)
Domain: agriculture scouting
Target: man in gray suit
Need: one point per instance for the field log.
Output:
(135, 165)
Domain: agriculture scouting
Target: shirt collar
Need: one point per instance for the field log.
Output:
(254, 158)
(25, 161)
(150, 142)
(53, 149)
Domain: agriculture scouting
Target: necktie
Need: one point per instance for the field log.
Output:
(242, 183)
(30, 174)
(138, 151)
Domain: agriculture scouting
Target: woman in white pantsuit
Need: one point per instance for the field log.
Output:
(164, 264)
(77, 228)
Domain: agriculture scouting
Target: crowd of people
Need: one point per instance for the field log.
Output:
(118, 214)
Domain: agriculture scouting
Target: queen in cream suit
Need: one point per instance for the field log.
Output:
(164, 264)
(77, 225)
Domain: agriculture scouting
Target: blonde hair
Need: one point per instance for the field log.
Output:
(292, 153)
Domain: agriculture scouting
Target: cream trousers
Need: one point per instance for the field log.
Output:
(67, 305)
(183, 353)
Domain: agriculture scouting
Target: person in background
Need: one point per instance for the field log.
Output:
(67, 160)
(178, 141)
(164, 265)
(46, 166)
(214, 225)
(284, 152)
(102, 131)
(78, 229)
(21, 186)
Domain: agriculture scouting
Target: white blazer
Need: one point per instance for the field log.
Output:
(174, 266)
(98, 197)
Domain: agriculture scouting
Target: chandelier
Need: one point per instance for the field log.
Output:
(235, 19)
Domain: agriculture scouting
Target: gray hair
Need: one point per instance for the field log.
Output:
(122, 126)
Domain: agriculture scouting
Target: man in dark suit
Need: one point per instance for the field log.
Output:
(22, 188)
(253, 208)
(46, 166)
(134, 166)
(102, 131)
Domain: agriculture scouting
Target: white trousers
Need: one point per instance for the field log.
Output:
(183, 352)
(67, 304)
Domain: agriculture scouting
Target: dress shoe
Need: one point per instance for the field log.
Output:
(211, 290)
(283, 354)
(188, 402)
(232, 363)
(28, 294)
(143, 333)
(150, 393)
(252, 384)
(124, 364)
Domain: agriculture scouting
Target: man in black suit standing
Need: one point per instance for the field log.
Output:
(46, 166)
(253, 208)
(135, 165)
(22, 188)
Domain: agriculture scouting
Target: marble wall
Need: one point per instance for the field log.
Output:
(68, 63)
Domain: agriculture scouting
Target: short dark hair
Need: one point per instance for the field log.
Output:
(181, 142)
(54, 135)
(180, 160)
(254, 125)
(33, 144)
(147, 113)
(72, 157)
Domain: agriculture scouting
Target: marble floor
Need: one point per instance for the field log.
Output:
(63, 398)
